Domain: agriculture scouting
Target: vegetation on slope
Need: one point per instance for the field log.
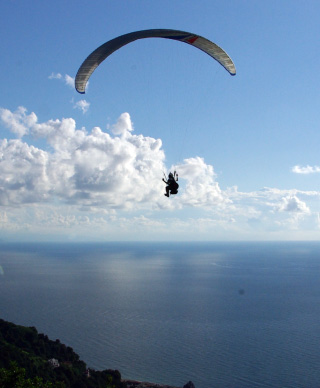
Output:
(24, 362)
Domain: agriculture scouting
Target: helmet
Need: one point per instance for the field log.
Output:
(170, 175)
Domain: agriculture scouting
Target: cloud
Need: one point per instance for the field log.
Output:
(86, 169)
(87, 180)
(83, 105)
(55, 76)
(18, 122)
(23, 175)
(201, 188)
(273, 211)
(305, 170)
(96, 169)
(292, 203)
(123, 125)
(68, 80)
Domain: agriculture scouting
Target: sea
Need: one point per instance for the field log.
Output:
(219, 314)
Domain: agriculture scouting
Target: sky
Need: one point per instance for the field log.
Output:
(89, 167)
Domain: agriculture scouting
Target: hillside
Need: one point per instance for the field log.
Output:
(26, 353)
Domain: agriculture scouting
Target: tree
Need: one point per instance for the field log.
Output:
(15, 377)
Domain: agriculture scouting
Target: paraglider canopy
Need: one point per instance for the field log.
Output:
(102, 52)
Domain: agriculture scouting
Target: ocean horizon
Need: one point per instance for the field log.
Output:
(221, 314)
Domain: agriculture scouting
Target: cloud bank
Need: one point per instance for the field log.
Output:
(109, 183)
(85, 169)
(97, 169)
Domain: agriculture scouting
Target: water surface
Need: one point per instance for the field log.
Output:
(221, 315)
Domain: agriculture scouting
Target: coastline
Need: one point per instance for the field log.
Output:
(144, 384)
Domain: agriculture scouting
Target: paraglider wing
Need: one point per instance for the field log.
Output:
(102, 52)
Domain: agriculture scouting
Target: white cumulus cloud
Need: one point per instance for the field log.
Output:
(81, 180)
(123, 125)
(292, 203)
(18, 122)
(201, 187)
(87, 169)
(69, 80)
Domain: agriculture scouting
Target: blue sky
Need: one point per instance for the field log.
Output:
(89, 167)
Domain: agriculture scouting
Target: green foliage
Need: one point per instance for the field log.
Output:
(15, 377)
(30, 352)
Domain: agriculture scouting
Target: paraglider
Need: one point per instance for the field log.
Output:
(102, 52)
(172, 185)
(106, 49)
